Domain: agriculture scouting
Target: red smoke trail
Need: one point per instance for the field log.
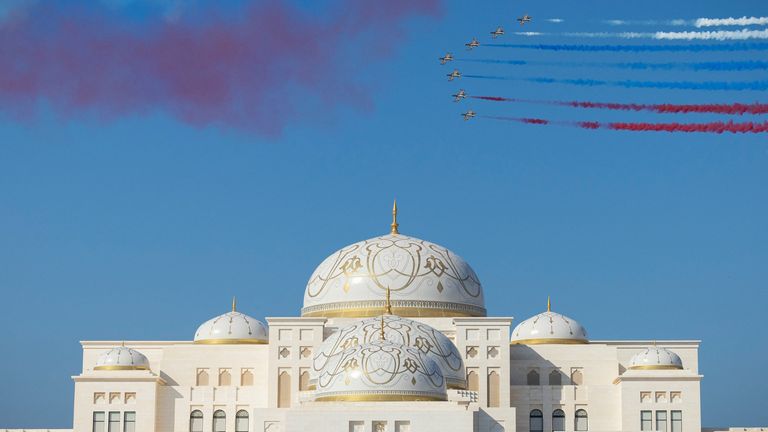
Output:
(712, 127)
(732, 109)
(254, 65)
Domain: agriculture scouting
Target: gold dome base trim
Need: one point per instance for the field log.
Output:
(552, 341)
(656, 367)
(119, 368)
(231, 342)
(403, 308)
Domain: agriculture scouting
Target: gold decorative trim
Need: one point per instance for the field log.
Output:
(455, 385)
(403, 312)
(403, 308)
(378, 398)
(231, 342)
(553, 341)
(119, 368)
(656, 367)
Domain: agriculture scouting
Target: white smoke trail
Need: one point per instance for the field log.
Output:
(555, 20)
(599, 35)
(713, 35)
(674, 22)
(743, 21)
(722, 35)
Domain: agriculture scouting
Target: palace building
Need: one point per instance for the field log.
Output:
(393, 336)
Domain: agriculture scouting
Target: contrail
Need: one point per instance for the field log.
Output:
(721, 35)
(743, 46)
(676, 85)
(730, 109)
(743, 21)
(711, 127)
(555, 20)
(695, 66)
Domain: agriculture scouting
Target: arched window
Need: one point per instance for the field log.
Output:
(196, 421)
(241, 421)
(494, 385)
(225, 378)
(202, 377)
(473, 381)
(581, 421)
(536, 422)
(533, 378)
(577, 378)
(304, 381)
(558, 421)
(246, 378)
(219, 421)
(555, 378)
(283, 390)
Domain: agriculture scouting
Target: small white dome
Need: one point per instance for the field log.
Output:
(655, 358)
(425, 339)
(380, 371)
(122, 358)
(232, 328)
(549, 328)
(426, 279)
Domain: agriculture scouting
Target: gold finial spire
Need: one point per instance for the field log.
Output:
(122, 344)
(381, 334)
(234, 304)
(394, 220)
(388, 304)
(549, 305)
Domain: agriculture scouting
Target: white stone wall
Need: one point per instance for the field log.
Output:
(166, 395)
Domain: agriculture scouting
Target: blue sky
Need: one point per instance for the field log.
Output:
(142, 225)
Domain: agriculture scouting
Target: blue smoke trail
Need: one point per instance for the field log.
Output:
(638, 48)
(677, 85)
(700, 66)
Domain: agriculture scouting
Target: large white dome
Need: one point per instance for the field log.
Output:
(549, 328)
(232, 328)
(380, 371)
(425, 339)
(655, 358)
(122, 358)
(426, 280)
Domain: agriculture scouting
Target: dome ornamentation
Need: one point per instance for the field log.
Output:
(232, 328)
(380, 370)
(423, 338)
(655, 358)
(426, 280)
(549, 328)
(121, 358)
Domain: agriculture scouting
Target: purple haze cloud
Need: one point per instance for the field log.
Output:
(271, 65)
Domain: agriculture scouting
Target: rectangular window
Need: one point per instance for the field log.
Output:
(129, 421)
(98, 421)
(114, 421)
(661, 421)
(646, 423)
(677, 421)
